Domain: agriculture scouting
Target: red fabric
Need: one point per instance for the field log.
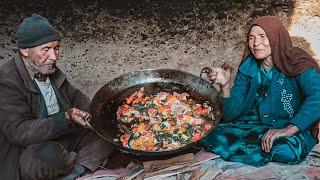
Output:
(290, 60)
(313, 172)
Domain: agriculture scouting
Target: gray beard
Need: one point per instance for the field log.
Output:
(39, 70)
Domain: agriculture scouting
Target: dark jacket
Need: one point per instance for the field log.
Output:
(19, 103)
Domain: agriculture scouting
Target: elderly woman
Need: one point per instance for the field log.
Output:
(275, 99)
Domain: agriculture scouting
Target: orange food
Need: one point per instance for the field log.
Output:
(162, 122)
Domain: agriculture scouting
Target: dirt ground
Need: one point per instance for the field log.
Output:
(104, 39)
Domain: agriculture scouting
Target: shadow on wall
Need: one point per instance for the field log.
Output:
(104, 20)
(179, 20)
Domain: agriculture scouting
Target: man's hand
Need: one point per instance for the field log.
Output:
(77, 116)
(272, 134)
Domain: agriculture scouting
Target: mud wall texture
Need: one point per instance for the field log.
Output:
(103, 39)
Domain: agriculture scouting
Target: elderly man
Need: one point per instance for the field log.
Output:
(43, 132)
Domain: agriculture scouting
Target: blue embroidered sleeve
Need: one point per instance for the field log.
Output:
(233, 105)
(309, 111)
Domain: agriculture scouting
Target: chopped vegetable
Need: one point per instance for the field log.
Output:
(162, 122)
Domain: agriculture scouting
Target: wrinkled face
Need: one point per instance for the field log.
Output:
(259, 43)
(42, 59)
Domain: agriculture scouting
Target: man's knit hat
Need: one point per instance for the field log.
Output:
(35, 31)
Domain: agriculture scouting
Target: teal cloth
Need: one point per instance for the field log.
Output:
(240, 140)
(264, 78)
(290, 99)
(283, 153)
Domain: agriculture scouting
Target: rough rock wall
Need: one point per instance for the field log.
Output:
(104, 39)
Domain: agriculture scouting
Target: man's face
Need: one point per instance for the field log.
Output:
(42, 59)
(259, 43)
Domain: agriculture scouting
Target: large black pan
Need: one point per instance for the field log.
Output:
(107, 100)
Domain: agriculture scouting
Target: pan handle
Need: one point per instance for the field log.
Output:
(205, 70)
(208, 70)
(124, 151)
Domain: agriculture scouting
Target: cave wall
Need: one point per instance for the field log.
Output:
(104, 39)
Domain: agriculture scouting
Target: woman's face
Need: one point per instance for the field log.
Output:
(259, 43)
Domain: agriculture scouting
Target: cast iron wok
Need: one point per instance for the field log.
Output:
(112, 95)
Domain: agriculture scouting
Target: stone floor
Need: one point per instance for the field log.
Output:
(309, 169)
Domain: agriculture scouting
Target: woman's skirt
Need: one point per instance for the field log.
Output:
(241, 142)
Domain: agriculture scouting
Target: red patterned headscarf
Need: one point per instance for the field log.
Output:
(290, 60)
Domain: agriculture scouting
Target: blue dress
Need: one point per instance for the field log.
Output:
(261, 100)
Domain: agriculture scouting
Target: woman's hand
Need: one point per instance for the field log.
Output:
(76, 115)
(272, 134)
(222, 78)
